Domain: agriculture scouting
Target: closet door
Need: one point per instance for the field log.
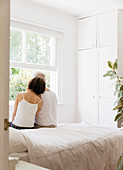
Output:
(107, 29)
(89, 110)
(87, 33)
(106, 87)
(87, 63)
(106, 113)
(88, 86)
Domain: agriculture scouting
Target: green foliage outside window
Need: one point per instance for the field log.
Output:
(15, 45)
(19, 79)
(18, 82)
(37, 49)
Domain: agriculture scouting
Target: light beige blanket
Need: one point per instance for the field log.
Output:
(74, 147)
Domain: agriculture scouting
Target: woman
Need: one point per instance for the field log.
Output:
(28, 104)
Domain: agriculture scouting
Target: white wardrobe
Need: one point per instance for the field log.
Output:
(100, 40)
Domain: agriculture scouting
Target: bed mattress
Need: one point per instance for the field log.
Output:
(74, 147)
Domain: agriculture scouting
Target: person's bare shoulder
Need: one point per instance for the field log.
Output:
(38, 98)
(19, 97)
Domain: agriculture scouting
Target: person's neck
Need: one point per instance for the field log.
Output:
(30, 91)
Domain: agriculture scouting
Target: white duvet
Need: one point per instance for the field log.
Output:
(74, 147)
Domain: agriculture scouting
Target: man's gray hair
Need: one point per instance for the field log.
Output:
(39, 74)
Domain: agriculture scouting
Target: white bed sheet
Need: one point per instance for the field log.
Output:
(74, 147)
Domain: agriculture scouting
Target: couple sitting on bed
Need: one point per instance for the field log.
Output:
(35, 108)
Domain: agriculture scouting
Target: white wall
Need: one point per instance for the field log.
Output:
(52, 18)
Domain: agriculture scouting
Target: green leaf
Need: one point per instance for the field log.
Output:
(109, 73)
(112, 73)
(119, 160)
(115, 65)
(121, 87)
(117, 116)
(106, 74)
(116, 60)
(121, 100)
(117, 107)
(120, 118)
(120, 93)
(118, 86)
(119, 156)
(110, 65)
(115, 92)
(112, 77)
(115, 102)
(120, 167)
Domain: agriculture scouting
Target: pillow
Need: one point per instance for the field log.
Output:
(17, 142)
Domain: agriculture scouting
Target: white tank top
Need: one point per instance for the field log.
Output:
(25, 115)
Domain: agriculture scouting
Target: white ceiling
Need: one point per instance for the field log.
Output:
(80, 7)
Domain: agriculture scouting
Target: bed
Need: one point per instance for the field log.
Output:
(69, 147)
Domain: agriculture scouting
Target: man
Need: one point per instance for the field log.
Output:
(47, 116)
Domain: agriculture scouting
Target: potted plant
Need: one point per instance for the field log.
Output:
(112, 74)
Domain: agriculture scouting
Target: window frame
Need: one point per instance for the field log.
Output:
(58, 67)
(25, 65)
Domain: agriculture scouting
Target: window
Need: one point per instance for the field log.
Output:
(29, 52)
(34, 48)
(31, 48)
